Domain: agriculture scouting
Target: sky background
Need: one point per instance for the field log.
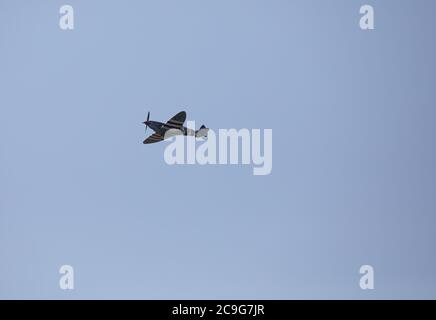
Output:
(353, 179)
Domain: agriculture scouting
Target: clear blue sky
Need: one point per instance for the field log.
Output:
(353, 179)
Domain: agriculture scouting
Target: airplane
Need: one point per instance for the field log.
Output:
(162, 130)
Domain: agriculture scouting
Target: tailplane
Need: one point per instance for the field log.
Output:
(202, 132)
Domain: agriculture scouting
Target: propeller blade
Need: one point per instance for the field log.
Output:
(148, 118)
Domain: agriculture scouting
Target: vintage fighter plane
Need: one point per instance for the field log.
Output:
(163, 130)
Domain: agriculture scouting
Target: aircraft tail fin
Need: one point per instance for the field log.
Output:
(202, 132)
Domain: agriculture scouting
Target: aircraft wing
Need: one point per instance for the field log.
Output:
(153, 138)
(177, 121)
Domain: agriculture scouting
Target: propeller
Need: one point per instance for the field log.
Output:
(145, 122)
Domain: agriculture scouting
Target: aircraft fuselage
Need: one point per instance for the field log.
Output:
(161, 128)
